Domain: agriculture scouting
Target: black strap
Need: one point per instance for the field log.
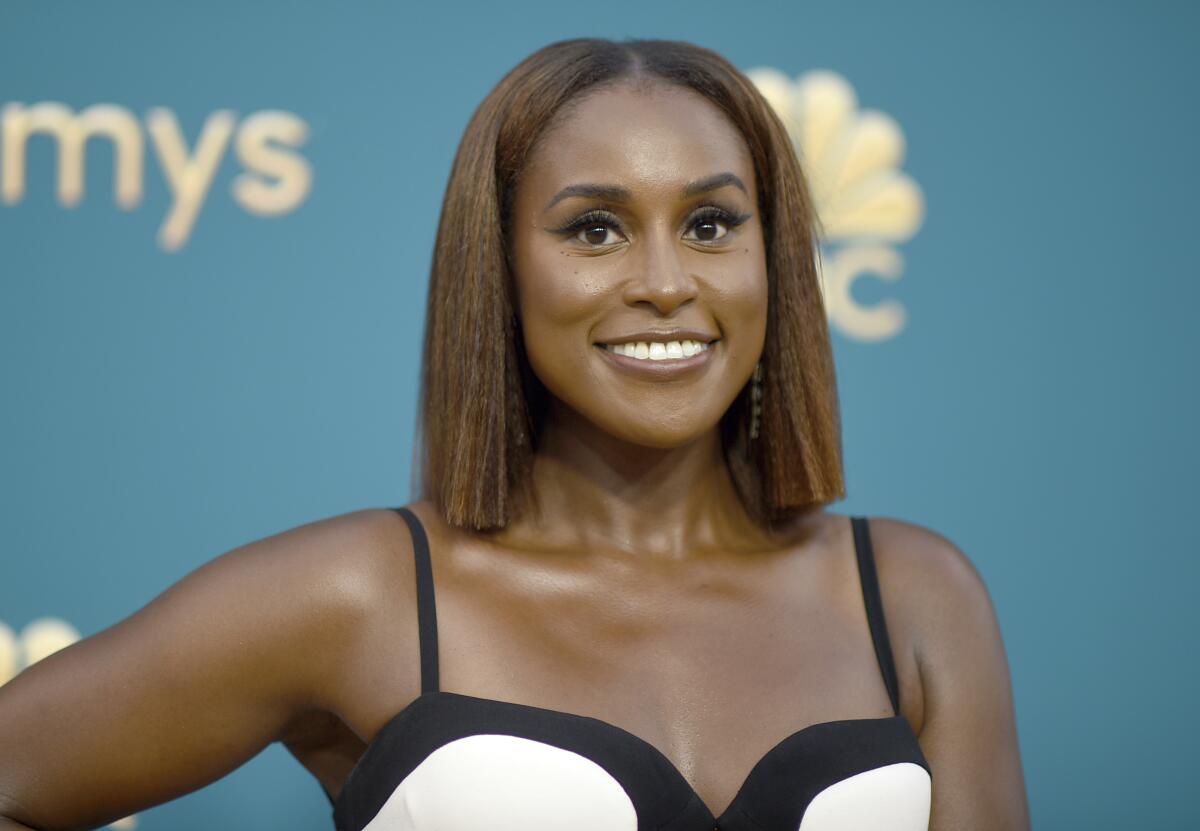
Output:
(874, 604)
(426, 612)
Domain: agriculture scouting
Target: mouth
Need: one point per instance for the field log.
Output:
(659, 350)
(662, 359)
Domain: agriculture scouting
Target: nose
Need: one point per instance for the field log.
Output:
(661, 278)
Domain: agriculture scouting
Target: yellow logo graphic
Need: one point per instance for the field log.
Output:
(276, 180)
(866, 204)
(39, 639)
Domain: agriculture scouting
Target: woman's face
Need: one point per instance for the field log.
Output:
(639, 263)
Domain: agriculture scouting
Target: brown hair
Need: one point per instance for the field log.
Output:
(481, 405)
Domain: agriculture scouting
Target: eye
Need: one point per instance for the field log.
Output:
(592, 228)
(709, 221)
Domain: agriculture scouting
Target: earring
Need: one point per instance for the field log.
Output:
(756, 395)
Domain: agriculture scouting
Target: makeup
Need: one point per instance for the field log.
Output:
(658, 359)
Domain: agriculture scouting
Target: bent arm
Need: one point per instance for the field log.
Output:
(186, 689)
(8, 806)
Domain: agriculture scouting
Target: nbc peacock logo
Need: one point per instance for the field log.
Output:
(866, 204)
(39, 639)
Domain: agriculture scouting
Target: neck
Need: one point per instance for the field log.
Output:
(592, 489)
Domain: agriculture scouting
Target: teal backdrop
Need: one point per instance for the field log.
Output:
(203, 349)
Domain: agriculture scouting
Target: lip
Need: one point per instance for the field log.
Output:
(663, 335)
(664, 370)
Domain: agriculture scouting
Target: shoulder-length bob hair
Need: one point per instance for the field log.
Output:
(481, 405)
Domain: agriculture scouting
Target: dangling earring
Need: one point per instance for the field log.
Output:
(756, 395)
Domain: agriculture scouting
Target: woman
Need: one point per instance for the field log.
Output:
(644, 616)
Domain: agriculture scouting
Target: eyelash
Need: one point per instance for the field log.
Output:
(596, 218)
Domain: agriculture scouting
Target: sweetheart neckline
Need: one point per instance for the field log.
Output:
(652, 748)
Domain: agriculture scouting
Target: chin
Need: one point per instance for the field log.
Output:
(659, 437)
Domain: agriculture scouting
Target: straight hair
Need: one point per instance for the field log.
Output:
(482, 407)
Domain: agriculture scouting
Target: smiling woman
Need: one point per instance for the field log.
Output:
(680, 257)
(626, 193)
(630, 436)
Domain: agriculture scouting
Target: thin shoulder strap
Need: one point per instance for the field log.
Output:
(426, 610)
(874, 604)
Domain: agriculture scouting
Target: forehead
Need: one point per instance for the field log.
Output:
(657, 138)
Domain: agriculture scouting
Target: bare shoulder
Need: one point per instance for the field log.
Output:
(302, 598)
(338, 554)
(921, 559)
(932, 581)
(967, 726)
(197, 681)
(306, 593)
(931, 592)
(330, 567)
(344, 570)
(351, 555)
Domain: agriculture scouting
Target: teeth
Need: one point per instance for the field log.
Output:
(657, 350)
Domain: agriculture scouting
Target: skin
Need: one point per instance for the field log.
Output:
(638, 591)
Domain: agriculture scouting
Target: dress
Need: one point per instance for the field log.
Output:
(453, 762)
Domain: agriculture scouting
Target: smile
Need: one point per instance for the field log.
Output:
(658, 360)
(657, 350)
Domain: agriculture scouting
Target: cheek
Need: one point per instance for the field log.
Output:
(745, 295)
(552, 286)
(740, 302)
(558, 303)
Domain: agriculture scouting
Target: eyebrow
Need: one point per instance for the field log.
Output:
(616, 193)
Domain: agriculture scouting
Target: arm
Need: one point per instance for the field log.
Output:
(969, 734)
(7, 807)
(189, 687)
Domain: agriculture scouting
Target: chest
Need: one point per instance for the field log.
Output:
(451, 761)
(714, 689)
